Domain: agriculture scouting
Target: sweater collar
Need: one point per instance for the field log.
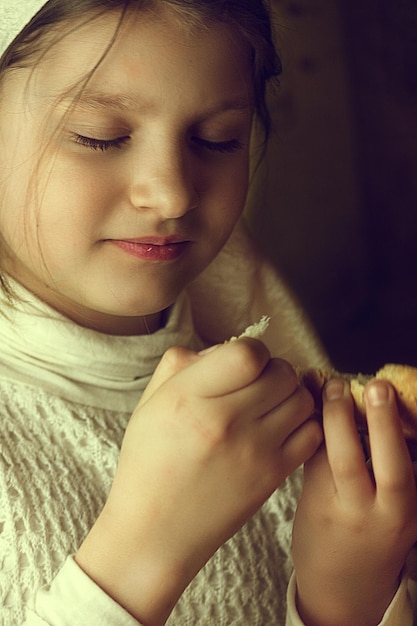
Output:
(42, 347)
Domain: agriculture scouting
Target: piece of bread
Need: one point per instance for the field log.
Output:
(254, 331)
(402, 377)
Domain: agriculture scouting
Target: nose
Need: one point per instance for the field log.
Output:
(165, 181)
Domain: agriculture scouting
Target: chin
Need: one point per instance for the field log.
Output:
(140, 308)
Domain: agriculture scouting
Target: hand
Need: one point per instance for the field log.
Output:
(213, 437)
(353, 531)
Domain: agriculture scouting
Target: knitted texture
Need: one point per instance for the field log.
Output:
(56, 466)
(57, 462)
(245, 582)
(14, 15)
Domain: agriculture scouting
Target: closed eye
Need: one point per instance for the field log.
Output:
(100, 144)
(106, 144)
(218, 146)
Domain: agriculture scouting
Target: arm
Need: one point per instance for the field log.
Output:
(212, 438)
(353, 531)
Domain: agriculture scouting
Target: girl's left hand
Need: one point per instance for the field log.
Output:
(353, 530)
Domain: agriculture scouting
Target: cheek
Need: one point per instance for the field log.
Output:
(233, 188)
(76, 183)
(229, 206)
(73, 202)
(16, 215)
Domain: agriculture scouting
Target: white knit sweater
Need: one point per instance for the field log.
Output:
(66, 394)
(61, 387)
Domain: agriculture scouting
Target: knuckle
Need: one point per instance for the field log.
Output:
(213, 434)
(175, 359)
(249, 356)
(305, 400)
(397, 485)
(287, 371)
(287, 377)
(346, 468)
(300, 405)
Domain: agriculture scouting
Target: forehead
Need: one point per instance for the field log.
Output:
(136, 61)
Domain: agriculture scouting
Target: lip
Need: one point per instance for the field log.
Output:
(155, 249)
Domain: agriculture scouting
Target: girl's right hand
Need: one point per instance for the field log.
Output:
(213, 436)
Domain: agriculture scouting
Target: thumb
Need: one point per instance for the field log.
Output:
(173, 361)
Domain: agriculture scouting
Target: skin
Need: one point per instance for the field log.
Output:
(174, 109)
(352, 531)
(186, 110)
(233, 413)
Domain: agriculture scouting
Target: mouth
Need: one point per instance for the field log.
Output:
(153, 248)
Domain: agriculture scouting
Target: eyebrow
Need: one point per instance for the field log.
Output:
(99, 101)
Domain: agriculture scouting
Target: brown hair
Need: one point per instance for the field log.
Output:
(251, 18)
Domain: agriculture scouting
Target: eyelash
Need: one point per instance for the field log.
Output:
(223, 147)
(101, 144)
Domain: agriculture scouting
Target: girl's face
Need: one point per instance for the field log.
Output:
(111, 204)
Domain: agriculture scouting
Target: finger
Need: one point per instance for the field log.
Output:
(285, 418)
(344, 450)
(173, 361)
(302, 445)
(275, 385)
(317, 472)
(228, 368)
(391, 461)
(270, 408)
(319, 489)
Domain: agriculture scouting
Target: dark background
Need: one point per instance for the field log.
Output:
(335, 202)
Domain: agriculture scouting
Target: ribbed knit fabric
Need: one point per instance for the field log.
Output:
(58, 456)
(57, 461)
(56, 466)
(245, 582)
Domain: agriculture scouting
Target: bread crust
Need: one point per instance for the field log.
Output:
(402, 377)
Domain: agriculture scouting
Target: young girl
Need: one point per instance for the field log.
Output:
(125, 128)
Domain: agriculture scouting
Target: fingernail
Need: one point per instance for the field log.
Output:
(377, 393)
(335, 389)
